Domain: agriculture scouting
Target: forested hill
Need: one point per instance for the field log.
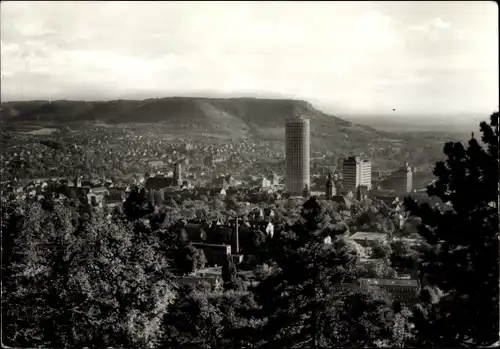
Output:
(231, 119)
(233, 113)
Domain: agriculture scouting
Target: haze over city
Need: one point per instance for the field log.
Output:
(348, 58)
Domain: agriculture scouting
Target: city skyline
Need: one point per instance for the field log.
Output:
(422, 55)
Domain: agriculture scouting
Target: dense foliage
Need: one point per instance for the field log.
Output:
(95, 284)
(462, 259)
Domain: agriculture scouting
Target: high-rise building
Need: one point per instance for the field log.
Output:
(298, 152)
(401, 180)
(356, 172)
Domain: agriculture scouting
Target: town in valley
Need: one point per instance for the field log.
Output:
(208, 220)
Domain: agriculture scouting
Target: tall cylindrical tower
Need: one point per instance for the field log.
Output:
(178, 173)
(298, 150)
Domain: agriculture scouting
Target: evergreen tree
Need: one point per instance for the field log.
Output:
(294, 297)
(230, 275)
(462, 259)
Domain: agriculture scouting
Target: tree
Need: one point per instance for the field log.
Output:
(137, 204)
(403, 256)
(158, 197)
(230, 275)
(193, 320)
(339, 229)
(212, 319)
(356, 210)
(376, 269)
(262, 271)
(464, 240)
(381, 251)
(93, 286)
(189, 259)
(294, 296)
(258, 239)
(366, 319)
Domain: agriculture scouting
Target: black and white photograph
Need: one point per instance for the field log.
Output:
(249, 174)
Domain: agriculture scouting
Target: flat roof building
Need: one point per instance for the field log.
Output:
(367, 238)
(356, 172)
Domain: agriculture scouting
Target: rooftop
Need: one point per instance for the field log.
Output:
(363, 235)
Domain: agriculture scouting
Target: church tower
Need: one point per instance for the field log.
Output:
(329, 187)
(306, 192)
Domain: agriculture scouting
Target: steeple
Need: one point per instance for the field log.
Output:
(329, 187)
(306, 193)
(329, 179)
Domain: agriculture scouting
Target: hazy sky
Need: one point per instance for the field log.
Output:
(352, 57)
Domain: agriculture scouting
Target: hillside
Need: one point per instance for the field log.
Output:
(235, 117)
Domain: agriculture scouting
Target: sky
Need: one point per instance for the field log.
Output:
(420, 58)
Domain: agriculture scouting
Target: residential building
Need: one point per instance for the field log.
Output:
(215, 254)
(390, 199)
(156, 163)
(213, 281)
(96, 196)
(342, 200)
(212, 276)
(406, 290)
(413, 242)
(265, 183)
(346, 287)
(367, 239)
(298, 152)
(263, 225)
(223, 182)
(400, 289)
(356, 172)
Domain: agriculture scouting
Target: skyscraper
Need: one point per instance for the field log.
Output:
(298, 150)
(356, 172)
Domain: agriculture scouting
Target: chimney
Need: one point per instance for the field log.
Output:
(237, 237)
